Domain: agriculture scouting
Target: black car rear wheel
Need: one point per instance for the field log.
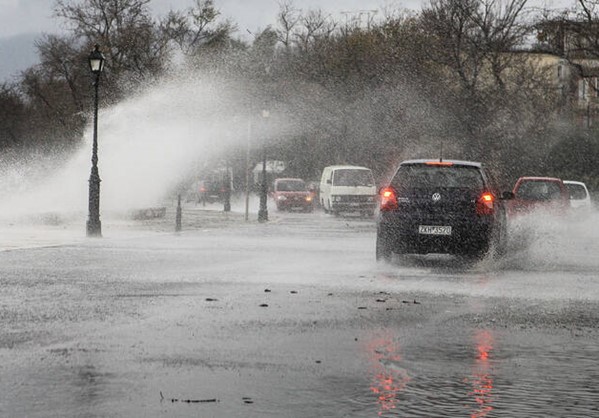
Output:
(476, 250)
(501, 239)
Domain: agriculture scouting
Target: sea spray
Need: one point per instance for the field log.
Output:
(148, 145)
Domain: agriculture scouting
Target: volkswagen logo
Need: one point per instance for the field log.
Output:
(436, 197)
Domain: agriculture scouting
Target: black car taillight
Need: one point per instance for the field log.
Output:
(388, 198)
(485, 205)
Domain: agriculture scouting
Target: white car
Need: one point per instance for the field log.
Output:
(580, 199)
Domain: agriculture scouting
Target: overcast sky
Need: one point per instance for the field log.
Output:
(30, 16)
(23, 21)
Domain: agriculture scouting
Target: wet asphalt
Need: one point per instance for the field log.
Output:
(294, 318)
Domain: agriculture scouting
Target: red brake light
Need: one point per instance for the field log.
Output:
(388, 199)
(485, 205)
(441, 163)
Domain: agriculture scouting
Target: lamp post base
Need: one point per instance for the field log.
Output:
(263, 211)
(94, 228)
(262, 215)
(178, 214)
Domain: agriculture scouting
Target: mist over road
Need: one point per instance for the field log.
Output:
(294, 318)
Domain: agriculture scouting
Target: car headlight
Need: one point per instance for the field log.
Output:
(281, 198)
(308, 198)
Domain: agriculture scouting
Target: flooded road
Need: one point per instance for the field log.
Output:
(295, 319)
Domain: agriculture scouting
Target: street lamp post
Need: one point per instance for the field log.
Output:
(248, 170)
(94, 227)
(227, 189)
(263, 212)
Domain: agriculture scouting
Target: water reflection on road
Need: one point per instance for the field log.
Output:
(481, 378)
(453, 369)
(390, 380)
(388, 377)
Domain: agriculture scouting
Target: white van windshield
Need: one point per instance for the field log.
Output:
(353, 178)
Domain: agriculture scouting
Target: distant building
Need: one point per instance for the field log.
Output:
(273, 168)
(576, 44)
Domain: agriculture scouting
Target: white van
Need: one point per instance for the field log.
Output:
(347, 188)
(580, 199)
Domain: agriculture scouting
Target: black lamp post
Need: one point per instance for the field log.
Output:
(94, 227)
(263, 212)
(227, 189)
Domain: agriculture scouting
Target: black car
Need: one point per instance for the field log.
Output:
(440, 206)
(211, 191)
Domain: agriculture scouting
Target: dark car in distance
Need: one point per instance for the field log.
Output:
(441, 206)
(211, 191)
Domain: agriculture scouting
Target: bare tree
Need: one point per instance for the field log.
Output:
(460, 45)
(315, 27)
(61, 59)
(12, 116)
(197, 27)
(134, 46)
(288, 19)
(586, 33)
(472, 34)
(502, 29)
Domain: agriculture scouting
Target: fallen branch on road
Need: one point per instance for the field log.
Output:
(162, 398)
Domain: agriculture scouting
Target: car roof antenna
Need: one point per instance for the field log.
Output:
(441, 152)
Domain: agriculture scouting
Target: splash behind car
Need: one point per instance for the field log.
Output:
(546, 195)
(291, 193)
(440, 206)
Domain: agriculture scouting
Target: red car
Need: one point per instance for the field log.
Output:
(533, 194)
(291, 193)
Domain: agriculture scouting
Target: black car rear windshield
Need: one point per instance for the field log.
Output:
(422, 176)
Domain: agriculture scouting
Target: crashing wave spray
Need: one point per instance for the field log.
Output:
(148, 144)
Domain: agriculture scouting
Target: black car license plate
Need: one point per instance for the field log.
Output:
(434, 230)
